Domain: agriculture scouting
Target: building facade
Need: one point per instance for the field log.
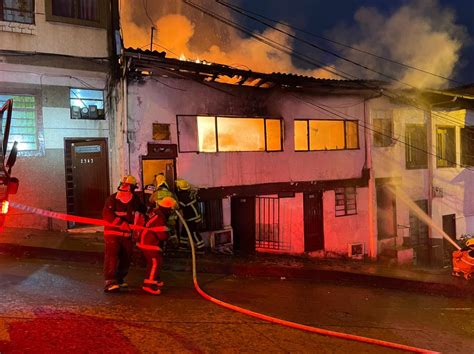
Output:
(54, 64)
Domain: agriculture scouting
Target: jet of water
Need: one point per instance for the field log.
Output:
(421, 214)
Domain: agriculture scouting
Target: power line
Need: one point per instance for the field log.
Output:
(289, 51)
(271, 43)
(300, 56)
(235, 7)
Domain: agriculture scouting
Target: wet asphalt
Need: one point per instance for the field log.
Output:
(53, 306)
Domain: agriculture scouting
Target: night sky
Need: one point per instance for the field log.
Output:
(433, 35)
(321, 16)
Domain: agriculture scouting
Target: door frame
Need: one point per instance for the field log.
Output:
(69, 184)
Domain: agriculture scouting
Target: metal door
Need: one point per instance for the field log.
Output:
(313, 221)
(243, 224)
(87, 178)
(449, 226)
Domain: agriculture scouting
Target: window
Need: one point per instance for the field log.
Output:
(23, 128)
(416, 154)
(21, 11)
(445, 147)
(383, 128)
(80, 12)
(467, 146)
(216, 134)
(326, 134)
(211, 211)
(346, 201)
(87, 104)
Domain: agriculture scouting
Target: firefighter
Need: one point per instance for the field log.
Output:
(188, 204)
(150, 242)
(120, 210)
(162, 191)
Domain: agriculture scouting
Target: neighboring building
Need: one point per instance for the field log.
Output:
(424, 148)
(269, 158)
(54, 64)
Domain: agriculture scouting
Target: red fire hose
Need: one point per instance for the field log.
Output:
(222, 303)
(289, 323)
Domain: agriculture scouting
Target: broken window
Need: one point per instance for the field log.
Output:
(467, 146)
(383, 128)
(326, 135)
(346, 201)
(86, 104)
(23, 128)
(21, 11)
(216, 134)
(445, 147)
(416, 146)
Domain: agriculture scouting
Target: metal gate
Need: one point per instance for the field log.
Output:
(267, 218)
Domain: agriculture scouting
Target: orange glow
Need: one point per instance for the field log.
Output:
(206, 134)
(240, 134)
(326, 135)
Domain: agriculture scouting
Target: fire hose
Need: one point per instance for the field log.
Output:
(244, 311)
(289, 323)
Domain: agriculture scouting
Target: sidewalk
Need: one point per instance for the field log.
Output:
(88, 247)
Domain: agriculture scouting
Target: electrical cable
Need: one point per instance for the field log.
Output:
(302, 57)
(233, 7)
(285, 323)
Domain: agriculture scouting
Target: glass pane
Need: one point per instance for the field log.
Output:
(90, 94)
(188, 133)
(273, 127)
(352, 138)
(88, 10)
(23, 123)
(301, 135)
(206, 127)
(64, 8)
(18, 11)
(240, 134)
(326, 134)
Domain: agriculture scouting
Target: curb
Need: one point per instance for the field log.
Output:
(458, 288)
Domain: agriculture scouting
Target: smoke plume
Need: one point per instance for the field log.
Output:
(421, 34)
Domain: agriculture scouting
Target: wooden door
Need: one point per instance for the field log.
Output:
(449, 226)
(243, 224)
(313, 221)
(88, 174)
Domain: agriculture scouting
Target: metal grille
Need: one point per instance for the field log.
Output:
(268, 223)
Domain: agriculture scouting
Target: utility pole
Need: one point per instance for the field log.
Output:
(151, 39)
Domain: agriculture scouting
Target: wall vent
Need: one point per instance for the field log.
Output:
(356, 250)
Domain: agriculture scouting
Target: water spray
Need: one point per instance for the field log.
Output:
(421, 214)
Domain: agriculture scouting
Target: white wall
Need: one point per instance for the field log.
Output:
(53, 37)
(340, 231)
(155, 102)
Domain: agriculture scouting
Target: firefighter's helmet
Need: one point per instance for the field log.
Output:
(130, 180)
(182, 184)
(470, 242)
(167, 202)
(160, 180)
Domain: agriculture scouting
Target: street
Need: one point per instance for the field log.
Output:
(51, 306)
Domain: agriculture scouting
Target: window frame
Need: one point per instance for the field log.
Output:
(450, 161)
(101, 9)
(40, 151)
(383, 138)
(103, 117)
(347, 206)
(217, 133)
(2, 18)
(308, 142)
(467, 132)
(409, 165)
